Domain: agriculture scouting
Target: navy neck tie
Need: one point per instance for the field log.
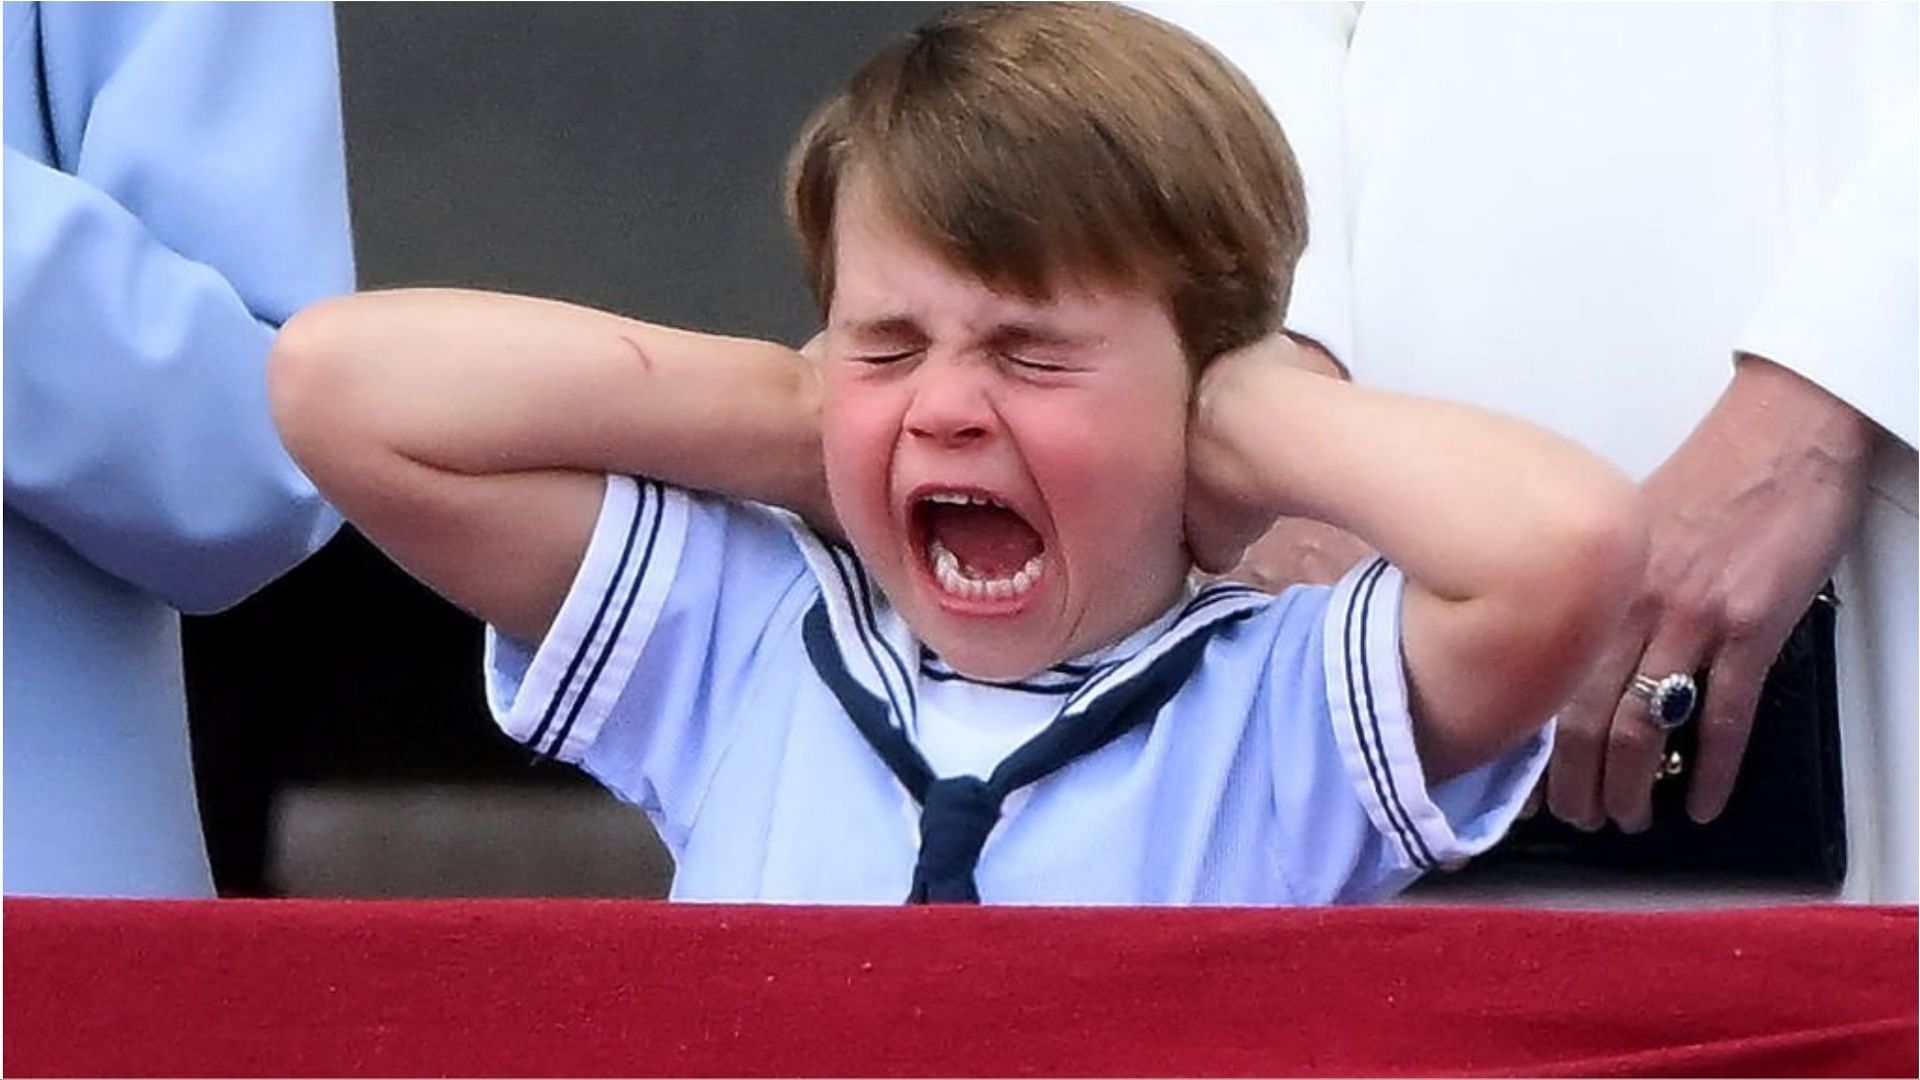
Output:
(957, 813)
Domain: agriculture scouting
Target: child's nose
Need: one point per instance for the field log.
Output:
(950, 406)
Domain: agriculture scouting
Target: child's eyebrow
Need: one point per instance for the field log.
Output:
(1015, 334)
(1003, 335)
(886, 327)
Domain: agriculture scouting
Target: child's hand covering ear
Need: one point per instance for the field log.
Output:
(1300, 550)
(1223, 517)
(816, 506)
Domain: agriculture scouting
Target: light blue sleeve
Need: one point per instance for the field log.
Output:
(668, 619)
(1360, 819)
(175, 188)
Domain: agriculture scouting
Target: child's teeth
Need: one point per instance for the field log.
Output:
(960, 498)
(955, 580)
(946, 568)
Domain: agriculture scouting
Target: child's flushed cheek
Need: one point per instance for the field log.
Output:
(858, 443)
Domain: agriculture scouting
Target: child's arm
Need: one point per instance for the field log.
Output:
(1521, 550)
(467, 434)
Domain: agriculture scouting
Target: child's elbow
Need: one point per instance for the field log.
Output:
(1561, 615)
(1598, 558)
(309, 385)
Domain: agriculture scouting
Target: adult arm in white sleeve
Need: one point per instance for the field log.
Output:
(1841, 310)
(1752, 512)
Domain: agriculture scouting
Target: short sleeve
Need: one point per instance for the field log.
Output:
(637, 678)
(1361, 821)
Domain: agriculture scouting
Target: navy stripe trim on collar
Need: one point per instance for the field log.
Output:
(1206, 608)
(946, 674)
(864, 625)
(1134, 700)
(872, 621)
(1216, 593)
(1069, 676)
(868, 713)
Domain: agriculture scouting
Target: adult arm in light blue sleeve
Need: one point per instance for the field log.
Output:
(184, 194)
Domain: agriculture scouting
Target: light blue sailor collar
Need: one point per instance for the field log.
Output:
(878, 650)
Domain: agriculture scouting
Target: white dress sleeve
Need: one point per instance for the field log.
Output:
(1841, 307)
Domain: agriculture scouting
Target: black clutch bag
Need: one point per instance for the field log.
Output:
(1786, 818)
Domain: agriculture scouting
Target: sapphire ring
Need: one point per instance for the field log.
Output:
(1670, 700)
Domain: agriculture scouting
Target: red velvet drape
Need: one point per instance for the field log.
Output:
(633, 988)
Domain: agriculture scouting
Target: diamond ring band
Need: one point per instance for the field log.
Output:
(1670, 700)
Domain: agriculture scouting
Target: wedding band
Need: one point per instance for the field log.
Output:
(1672, 763)
(1670, 700)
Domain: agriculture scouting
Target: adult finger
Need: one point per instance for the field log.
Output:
(1634, 743)
(1580, 731)
(1215, 552)
(1726, 723)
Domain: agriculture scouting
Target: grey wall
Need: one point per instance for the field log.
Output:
(624, 156)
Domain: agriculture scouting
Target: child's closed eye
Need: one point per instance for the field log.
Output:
(1029, 364)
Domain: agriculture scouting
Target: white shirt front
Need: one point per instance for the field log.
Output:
(679, 674)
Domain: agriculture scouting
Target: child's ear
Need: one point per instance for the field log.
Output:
(1315, 357)
(1294, 350)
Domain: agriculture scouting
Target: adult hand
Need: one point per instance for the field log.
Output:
(1298, 551)
(1749, 516)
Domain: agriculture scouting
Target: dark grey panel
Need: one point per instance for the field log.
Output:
(627, 156)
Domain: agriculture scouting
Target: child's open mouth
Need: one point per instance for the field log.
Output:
(977, 548)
